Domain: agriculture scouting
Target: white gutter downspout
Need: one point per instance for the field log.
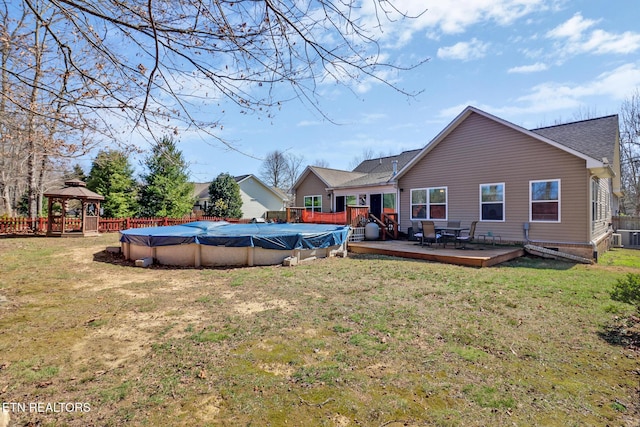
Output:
(395, 172)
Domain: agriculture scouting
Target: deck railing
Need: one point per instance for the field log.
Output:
(355, 216)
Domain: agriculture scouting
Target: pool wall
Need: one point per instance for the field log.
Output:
(197, 255)
(139, 244)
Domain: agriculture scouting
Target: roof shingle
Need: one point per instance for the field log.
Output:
(593, 137)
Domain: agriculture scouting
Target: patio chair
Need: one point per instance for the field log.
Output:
(428, 233)
(467, 237)
(416, 229)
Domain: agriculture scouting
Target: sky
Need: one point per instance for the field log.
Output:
(531, 62)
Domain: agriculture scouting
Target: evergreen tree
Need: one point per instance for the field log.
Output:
(75, 173)
(23, 206)
(224, 195)
(166, 190)
(111, 176)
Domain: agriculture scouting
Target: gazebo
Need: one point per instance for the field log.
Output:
(73, 210)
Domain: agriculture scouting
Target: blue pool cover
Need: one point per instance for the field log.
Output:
(221, 233)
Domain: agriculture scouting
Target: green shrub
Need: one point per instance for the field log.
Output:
(628, 290)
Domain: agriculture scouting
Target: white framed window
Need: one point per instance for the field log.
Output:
(351, 200)
(544, 201)
(313, 203)
(492, 202)
(429, 203)
(595, 200)
(600, 207)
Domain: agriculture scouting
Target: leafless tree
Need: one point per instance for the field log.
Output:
(107, 67)
(630, 152)
(322, 163)
(42, 103)
(296, 166)
(367, 154)
(275, 170)
(162, 60)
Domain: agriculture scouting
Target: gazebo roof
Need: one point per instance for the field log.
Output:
(74, 189)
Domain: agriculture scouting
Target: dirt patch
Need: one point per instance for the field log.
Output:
(210, 407)
(109, 348)
(247, 307)
(340, 420)
(279, 369)
(378, 370)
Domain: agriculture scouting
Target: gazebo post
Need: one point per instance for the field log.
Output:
(49, 215)
(63, 218)
(84, 207)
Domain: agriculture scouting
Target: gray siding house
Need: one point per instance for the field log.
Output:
(555, 187)
(369, 184)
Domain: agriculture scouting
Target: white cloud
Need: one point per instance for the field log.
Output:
(554, 97)
(602, 42)
(454, 110)
(576, 37)
(433, 18)
(464, 51)
(525, 69)
(619, 83)
(572, 29)
(616, 84)
(551, 96)
(378, 77)
(456, 19)
(368, 118)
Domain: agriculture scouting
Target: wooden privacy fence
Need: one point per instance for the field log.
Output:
(355, 216)
(625, 223)
(23, 225)
(19, 225)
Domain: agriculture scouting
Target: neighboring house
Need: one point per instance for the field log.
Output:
(555, 187)
(257, 197)
(370, 183)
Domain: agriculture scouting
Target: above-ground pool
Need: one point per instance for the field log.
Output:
(211, 244)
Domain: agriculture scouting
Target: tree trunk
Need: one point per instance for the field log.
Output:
(32, 144)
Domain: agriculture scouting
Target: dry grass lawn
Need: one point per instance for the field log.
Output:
(89, 340)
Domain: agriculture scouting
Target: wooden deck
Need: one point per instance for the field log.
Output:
(474, 256)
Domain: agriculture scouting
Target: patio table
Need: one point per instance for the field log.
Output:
(455, 231)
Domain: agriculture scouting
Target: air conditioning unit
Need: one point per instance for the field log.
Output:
(616, 240)
(630, 238)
